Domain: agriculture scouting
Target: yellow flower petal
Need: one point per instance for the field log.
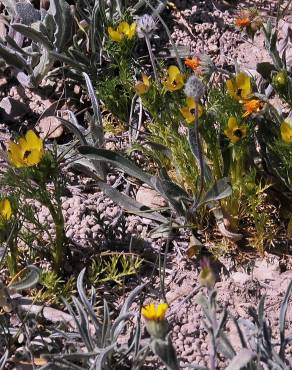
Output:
(188, 116)
(33, 141)
(286, 131)
(132, 31)
(34, 157)
(173, 72)
(124, 28)
(240, 88)
(231, 89)
(191, 102)
(151, 312)
(234, 132)
(232, 123)
(5, 210)
(243, 83)
(28, 152)
(189, 111)
(146, 80)
(14, 154)
(174, 80)
(142, 87)
(114, 35)
(161, 310)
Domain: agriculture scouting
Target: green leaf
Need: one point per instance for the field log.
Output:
(166, 352)
(97, 29)
(60, 10)
(225, 347)
(172, 192)
(85, 301)
(29, 281)
(126, 202)
(9, 6)
(33, 34)
(220, 190)
(282, 319)
(71, 62)
(106, 325)
(265, 69)
(74, 129)
(43, 67)
(12, 58)
(96, 128)
(243, 358)
(84, 325)
(160, 148)
(117, 161)
(4, 359)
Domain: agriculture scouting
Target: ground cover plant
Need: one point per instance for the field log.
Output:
(138, 114)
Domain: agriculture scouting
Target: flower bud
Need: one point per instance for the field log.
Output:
(206, 276)
(280, 79)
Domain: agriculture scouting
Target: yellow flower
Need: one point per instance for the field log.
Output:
(235, 132)
(28, 152)
(143, 86)
(5, 210)
(252, 106)
(189, 111)
(154, 313)
(240, 87)
(124, 30)
(174, 80)
(286, 130)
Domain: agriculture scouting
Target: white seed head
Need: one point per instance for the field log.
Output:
(145, 26)
(194, 88)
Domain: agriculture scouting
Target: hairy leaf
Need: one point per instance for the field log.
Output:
(243, 358)
(29, 281)
(117, 161)
(282, 319)
(33, 34)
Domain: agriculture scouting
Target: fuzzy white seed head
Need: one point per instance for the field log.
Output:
(194, 88)
(145, 26)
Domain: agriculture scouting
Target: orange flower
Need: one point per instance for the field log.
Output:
(242, 22)
(252, 106)
(193, 63)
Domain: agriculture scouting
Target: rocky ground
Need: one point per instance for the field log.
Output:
(91, 217)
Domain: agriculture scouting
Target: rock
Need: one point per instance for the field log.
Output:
(240, 277)
(50, 127)
(265, 271)
(150, 197)
(13, 109)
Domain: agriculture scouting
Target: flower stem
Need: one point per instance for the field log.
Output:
(59, 222)
(196, 146)
(152, 59)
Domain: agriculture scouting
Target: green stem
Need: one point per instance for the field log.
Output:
(152, 59)
(59, 222)
(12, 265)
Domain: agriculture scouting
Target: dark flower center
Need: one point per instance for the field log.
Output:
(26, 154)
(237, 133)
(238, 92)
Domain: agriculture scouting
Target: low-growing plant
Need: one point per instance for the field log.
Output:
(113, 267)
(30, 173)
(257, 343)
